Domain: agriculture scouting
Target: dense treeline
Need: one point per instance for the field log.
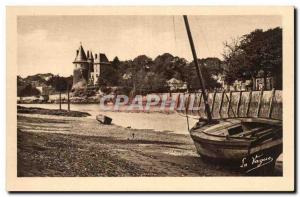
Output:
(143, 74)
(29, 86)
(257, 54)
(254, 54)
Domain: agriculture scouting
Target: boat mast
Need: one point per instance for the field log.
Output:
(199, 73)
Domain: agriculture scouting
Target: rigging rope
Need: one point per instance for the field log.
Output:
(204, 38)
(174, 29)
(186, 107)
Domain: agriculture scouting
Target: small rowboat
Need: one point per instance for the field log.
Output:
(252, 143)
(103, 119)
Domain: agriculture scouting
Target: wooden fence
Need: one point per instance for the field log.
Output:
(265, 104)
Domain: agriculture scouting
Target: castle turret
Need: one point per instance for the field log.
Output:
(88, 70)
(99, 65)
(81, 70)
(91, 61)
(91, 67)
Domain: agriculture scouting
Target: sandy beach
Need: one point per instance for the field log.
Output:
(70, 146)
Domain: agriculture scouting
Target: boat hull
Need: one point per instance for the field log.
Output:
(247, 155)
(104, 119)
(234, 152)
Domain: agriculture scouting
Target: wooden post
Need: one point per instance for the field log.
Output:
(186, 111)
(181, 103)
(213, 102)
(221, 104)
(194, 101)
(229, 103)
(177, 102)
(200, 100)
(68, 98)
(229, 106)
(239, 104)
(259, 102)
(187, 104)
(249, 103)
(271, 103)
(60, 100)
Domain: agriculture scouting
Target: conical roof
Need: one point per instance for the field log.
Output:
(103, 58)
(80, 56)
(91, 56)
(87, 54)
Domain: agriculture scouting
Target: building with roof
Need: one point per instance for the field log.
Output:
(175, 84)
(88, 68)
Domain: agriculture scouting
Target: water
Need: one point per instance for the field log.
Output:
(174, 122)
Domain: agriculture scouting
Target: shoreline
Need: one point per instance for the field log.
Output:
(171, 122)
(58, 146)
(153, 109)
(56, 112)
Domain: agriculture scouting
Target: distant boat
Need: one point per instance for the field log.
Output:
(103, 119)
(254, 144)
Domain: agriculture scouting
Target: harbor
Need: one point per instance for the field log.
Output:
(79, 146)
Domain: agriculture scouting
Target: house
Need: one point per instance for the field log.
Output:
(263, 81)
(175, 84)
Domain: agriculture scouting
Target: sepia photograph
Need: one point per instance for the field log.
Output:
(175, 95)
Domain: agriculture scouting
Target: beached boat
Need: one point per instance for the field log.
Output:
(103, 119)
(253, 144)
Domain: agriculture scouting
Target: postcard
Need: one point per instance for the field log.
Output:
(150, 98)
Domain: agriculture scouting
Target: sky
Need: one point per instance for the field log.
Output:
(49, 43)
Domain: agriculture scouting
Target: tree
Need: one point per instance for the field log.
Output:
(257, 51)
(116, 63)
(264, 53)
(143, 75)
(209, 67)
(137, 70)
(27, 90)
(59, 83)
(109, 76)
(234, 61)
(164, 64)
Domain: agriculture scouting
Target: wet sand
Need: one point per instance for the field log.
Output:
(71, 146)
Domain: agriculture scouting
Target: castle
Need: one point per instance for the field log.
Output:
(88, 70)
